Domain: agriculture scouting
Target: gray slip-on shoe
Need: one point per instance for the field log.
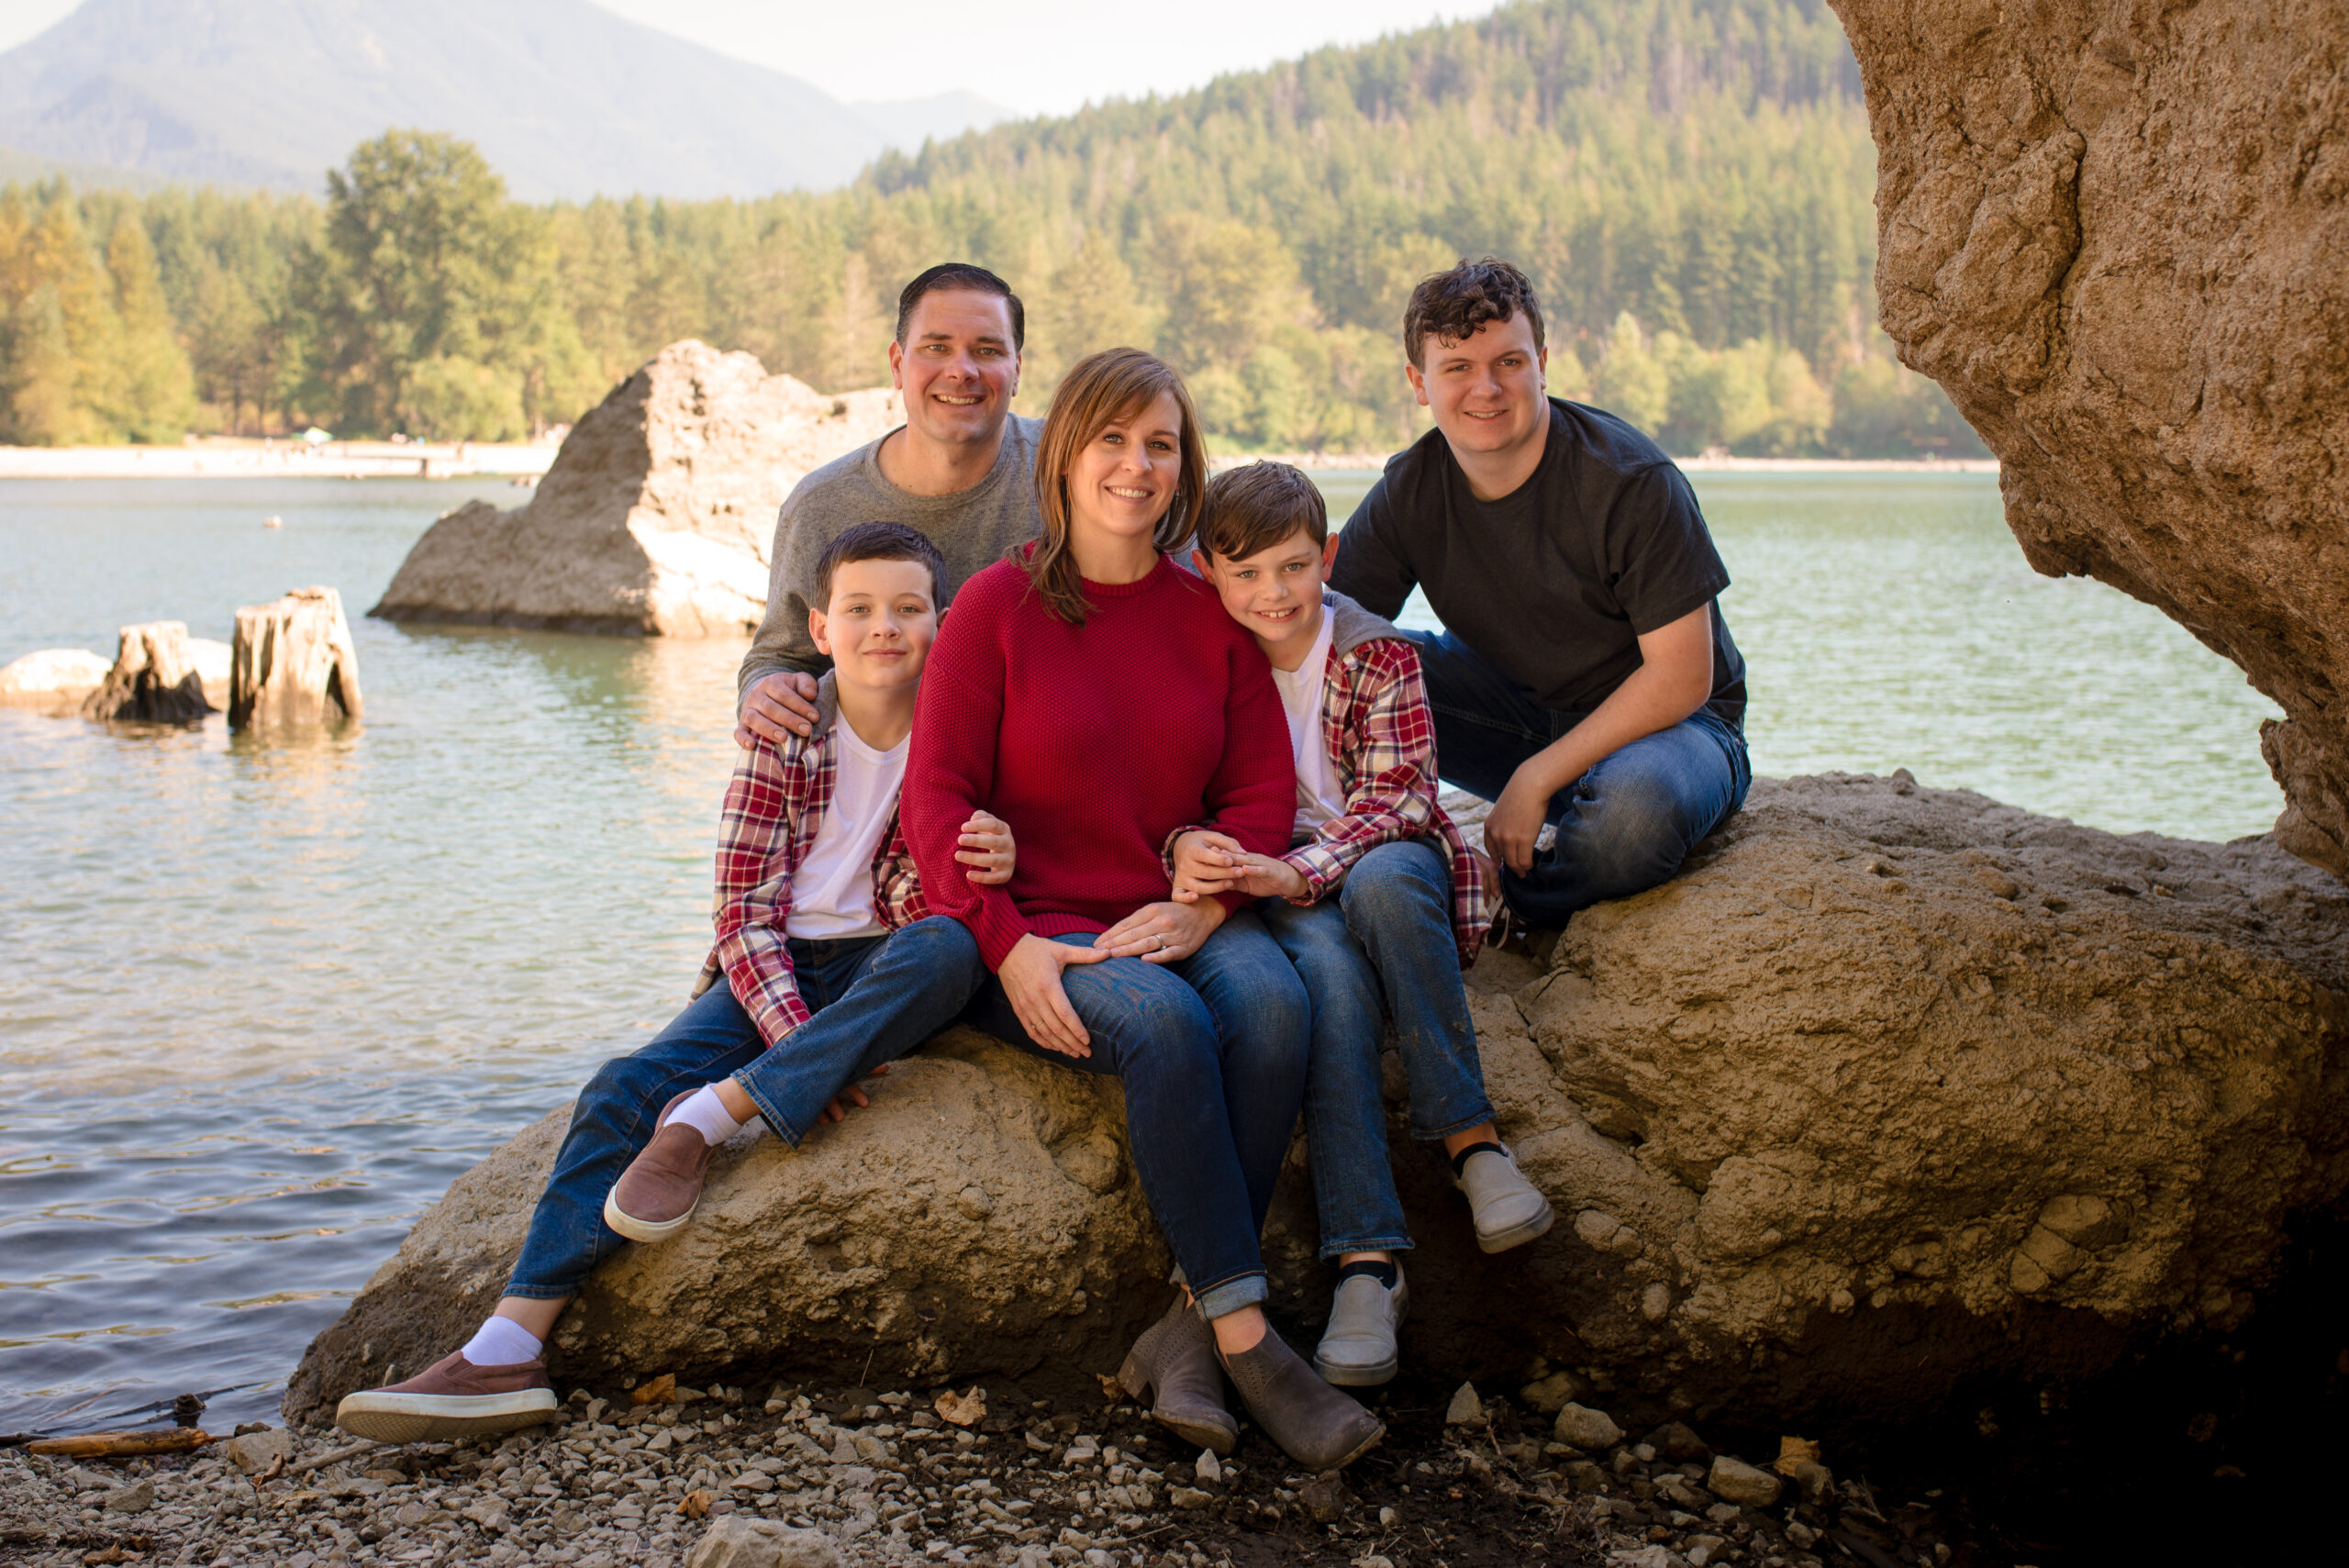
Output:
(1508, 1210)
(1172, 1370)
(1357, 1348)
(1314, 1424)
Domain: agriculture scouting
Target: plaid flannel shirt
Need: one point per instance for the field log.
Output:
(775, 807)
(1381, 737)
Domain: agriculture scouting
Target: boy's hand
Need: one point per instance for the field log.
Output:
(1205, 862)
(987, 850)
(778, 705)
(1031, 979)
(1268, 876)
(852, 1095)
(1162, 932)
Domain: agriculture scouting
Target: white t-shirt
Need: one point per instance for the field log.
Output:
(831, 892)
(1318, 798)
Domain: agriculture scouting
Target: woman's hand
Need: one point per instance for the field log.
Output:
(1161, 932)
(986, 849)
(852, 1095)
(1031, 978)
(1209, 862)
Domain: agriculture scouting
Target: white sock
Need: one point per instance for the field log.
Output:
(501, 1341)
(706, 1113)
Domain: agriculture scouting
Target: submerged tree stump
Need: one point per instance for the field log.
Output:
(154, 678)
(293, 662)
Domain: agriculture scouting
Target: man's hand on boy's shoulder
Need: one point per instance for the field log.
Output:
(778, 706)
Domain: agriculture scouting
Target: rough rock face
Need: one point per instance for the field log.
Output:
(658, 514)
(2114, 232)
(1891, 1090)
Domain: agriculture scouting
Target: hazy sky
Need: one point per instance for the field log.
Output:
(1038, 56)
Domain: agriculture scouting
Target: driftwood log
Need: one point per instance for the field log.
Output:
(154, 678)
(293, 662)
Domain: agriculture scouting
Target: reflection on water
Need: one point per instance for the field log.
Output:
(261, 999)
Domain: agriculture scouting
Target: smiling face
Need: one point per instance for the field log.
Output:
(1275, 592)
(1486, 390)
(957, 366)
(1122, 481)
(879, 624)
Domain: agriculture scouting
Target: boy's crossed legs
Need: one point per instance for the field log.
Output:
(1383, 947)
(875, 998)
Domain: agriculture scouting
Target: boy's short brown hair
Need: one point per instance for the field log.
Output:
(1452, 305)
(1255, 507)
(877, 541)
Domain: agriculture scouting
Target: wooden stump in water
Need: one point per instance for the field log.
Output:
(293, 662)
(154, 678)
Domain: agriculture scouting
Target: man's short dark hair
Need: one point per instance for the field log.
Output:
(877, 541)
(962, 275)
(1254, 508)
(1452, 305)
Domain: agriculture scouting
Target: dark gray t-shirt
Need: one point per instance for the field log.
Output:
(1554, 583)
(971, 529)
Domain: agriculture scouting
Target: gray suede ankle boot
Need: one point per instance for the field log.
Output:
(1173, 1369)
(1315, 1425)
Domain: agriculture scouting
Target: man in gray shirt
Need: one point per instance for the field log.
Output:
(960, 468)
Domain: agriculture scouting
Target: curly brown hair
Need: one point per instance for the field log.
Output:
(1452, 305)
(1099, 390)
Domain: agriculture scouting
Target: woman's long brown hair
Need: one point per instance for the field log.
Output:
(1099, 390)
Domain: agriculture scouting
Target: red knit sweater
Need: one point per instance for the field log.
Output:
(1094, 742)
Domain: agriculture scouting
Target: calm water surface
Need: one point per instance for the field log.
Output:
(259, 1002)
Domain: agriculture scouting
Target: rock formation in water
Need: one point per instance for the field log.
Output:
(293, 662)
(55, 680)
(154, 678)
(1893, 1088)
(658, 514)
(2116, 235)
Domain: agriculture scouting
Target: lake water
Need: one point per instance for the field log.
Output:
(261, 1001)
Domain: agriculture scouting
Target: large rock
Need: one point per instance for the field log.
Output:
(2115, 234)
(1892, 1089)
(658, 513)
(55, 680)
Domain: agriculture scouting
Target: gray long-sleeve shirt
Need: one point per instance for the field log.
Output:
(971, 529)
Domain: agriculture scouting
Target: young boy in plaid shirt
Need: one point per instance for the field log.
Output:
(1378, 899)
(832, 968)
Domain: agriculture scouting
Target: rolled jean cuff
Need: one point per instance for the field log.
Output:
(1241, 1290)
(542, 1292)
(776, 1124)
(1463, 1124)
(1338, 1248)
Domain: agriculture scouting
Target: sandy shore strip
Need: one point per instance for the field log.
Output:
(282, 459)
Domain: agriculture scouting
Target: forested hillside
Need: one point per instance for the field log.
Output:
(1689, 181)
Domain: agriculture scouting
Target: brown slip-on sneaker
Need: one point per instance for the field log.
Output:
(656, 1195)
(452, 1399)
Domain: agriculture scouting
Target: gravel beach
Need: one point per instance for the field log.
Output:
(870, 1477)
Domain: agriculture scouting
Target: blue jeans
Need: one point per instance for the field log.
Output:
(1385, 934)
(1211, 1050)
(1624, 827)
(875, 998)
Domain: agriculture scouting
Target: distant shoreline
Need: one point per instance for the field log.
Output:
(283, 459)
(460, 459)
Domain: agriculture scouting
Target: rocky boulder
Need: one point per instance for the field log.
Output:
(54, 680)
(1891, 1090)
(2114, 233)
(658, 513)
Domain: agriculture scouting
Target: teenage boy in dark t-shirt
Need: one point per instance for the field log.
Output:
(1584, 679)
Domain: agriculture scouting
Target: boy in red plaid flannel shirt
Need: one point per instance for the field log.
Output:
(1379, 898)
(832, 968)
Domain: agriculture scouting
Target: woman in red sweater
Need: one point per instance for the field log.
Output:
(1095, 696)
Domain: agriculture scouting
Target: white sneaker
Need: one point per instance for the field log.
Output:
(1357, 1348)
(1508, 1210)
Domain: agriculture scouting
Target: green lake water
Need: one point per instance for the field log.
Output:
(259, 1002)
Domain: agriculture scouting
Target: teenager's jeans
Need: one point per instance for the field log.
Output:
(1385, 933)
(1211, 1050)
(1624, 827)
(875, 999)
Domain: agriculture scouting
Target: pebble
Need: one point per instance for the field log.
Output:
(1735, 1481)
(133, 1499)
(1580, 1426)
(1209, 1468)
(1465, 1409)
